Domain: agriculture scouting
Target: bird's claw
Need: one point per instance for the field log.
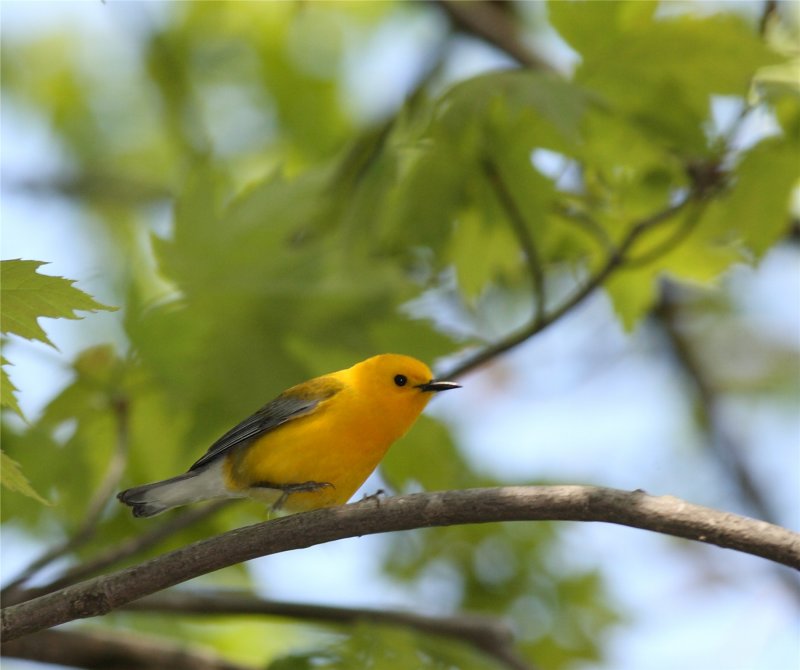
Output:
(289, 489)
(376, 497)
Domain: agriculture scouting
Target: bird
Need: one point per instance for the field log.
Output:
(311, 447)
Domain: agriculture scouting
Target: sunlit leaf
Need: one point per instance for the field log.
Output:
(8, 390)
(27, 295)
(13, 479)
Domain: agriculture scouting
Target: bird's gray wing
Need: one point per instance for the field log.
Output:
(289, 405)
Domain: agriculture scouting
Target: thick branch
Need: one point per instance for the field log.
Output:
(664, 514)
(102, 650)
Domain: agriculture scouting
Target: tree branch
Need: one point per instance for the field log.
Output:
(487, 634)
(94, 510)
(727, 450)
(98, 650)
(526, 241)
(615, 259)
(490, 22)
(132, 547)
(770, 10)
(665, 514)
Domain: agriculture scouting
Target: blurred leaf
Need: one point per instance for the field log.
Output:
(676, 62)
(549, 109)
(755, 210)
(741, 224)
(379, 647)
(633, 298)
(430, 443)
(623, 186)
(14, 480)
(27, 295)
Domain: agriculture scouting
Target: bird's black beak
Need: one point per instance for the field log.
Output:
(434, 386)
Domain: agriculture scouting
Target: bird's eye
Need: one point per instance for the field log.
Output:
(400, 380)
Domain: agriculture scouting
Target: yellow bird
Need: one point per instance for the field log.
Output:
(313, 446)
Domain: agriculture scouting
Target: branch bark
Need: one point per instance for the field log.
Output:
(664, 514)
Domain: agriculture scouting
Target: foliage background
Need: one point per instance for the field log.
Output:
(273, 190)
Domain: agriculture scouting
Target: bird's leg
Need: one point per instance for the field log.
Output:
(376, 497)
(288, 489)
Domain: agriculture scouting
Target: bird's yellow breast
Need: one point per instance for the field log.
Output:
(339, 443)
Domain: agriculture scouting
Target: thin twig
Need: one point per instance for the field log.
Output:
(664, 514)
(770, 9)
(488, 634)
(585, 222)
(526, 240)
(614, 260)
(132, 547)
(678, 235)
(94, 510)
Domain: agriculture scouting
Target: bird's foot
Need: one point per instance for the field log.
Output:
(373, 497)
(289, 489)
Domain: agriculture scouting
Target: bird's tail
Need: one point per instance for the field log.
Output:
(193, 486)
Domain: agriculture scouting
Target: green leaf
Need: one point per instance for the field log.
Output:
(27, 295)
(481, 253)
(632, 294)
(7, 390)
(12, 478)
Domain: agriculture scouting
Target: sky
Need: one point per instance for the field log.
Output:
(628, 403)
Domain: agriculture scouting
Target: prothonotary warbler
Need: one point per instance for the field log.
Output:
(312, 446)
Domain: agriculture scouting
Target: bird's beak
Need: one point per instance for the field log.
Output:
(435, 385)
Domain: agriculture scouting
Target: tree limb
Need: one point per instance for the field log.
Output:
(664, 514)
(101, 650)
(488, 634)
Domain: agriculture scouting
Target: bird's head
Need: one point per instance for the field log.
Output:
(401, 382)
